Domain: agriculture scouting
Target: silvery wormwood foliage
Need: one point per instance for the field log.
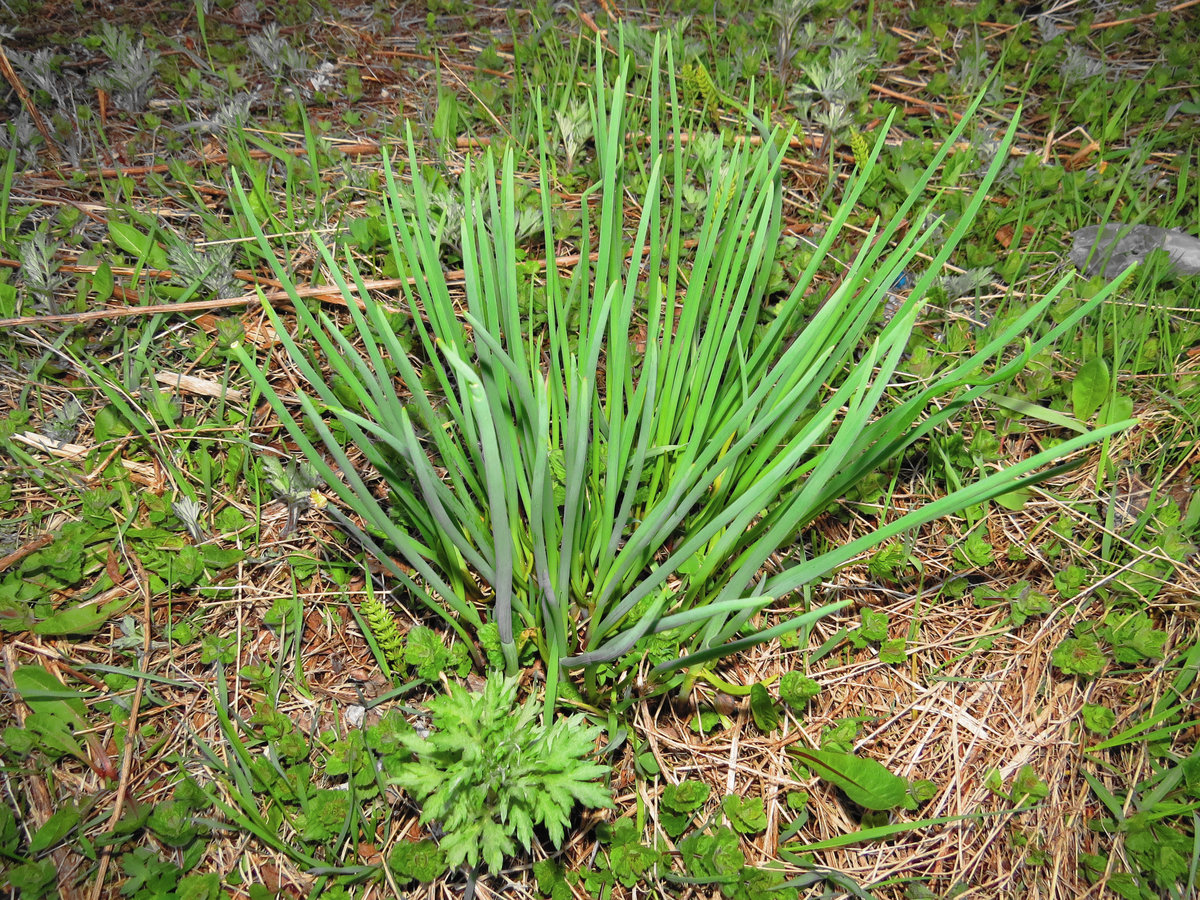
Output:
(41, 71)
(49, 86)
(972, 68)
(188, 511)
(836, 84)
(641, 41)
(130, 74)
(964, 284)
(274, 53)
(1047, 28)
(229, 114)
(23, 135)
(1078, 66)
(574, 129)
(39, 270)
(838, 79)
(213, 268)
(447, 205)
(787, 16)
(63, 427)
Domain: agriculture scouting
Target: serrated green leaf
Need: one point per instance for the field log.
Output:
(1133, 637)
(420, 860)
(551, 878)
(199, 886)
(796, 689)
(893, 652)
(1079, 656)
(686, 796)
(631, 861)
(424, 651)
(747, 815)
(491, 772)
(1098, 719)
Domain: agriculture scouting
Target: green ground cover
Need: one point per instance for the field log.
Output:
(596, 453)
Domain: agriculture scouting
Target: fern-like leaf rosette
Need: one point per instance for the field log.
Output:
(490, 772)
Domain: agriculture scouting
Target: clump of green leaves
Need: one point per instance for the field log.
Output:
(678, 803)
(1129, 638)
(490, 773)
(429, 657)
(629, 859)
(420, 860)
(796, 690)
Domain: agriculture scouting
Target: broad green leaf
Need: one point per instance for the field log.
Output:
(110, 423)
(83, 619)
(865, 781)
(8, 300)
(53, 735)
(37, 686)
(1014, 500)
(551, 878)
(1116, 409)
(762, 707)
(1090, 388)
(32, 879)
(57, 827)
(142, 247)
(102, 282)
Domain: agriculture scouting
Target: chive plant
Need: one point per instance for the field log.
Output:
(620, 505)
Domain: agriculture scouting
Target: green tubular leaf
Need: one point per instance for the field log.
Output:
(434, 493)
(623, 642)
(575, 445)
(741, 510)
(692, 660)
(970, 495)
(502, 581)
(355, 493)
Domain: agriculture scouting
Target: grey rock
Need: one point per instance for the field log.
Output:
(1107, 249)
